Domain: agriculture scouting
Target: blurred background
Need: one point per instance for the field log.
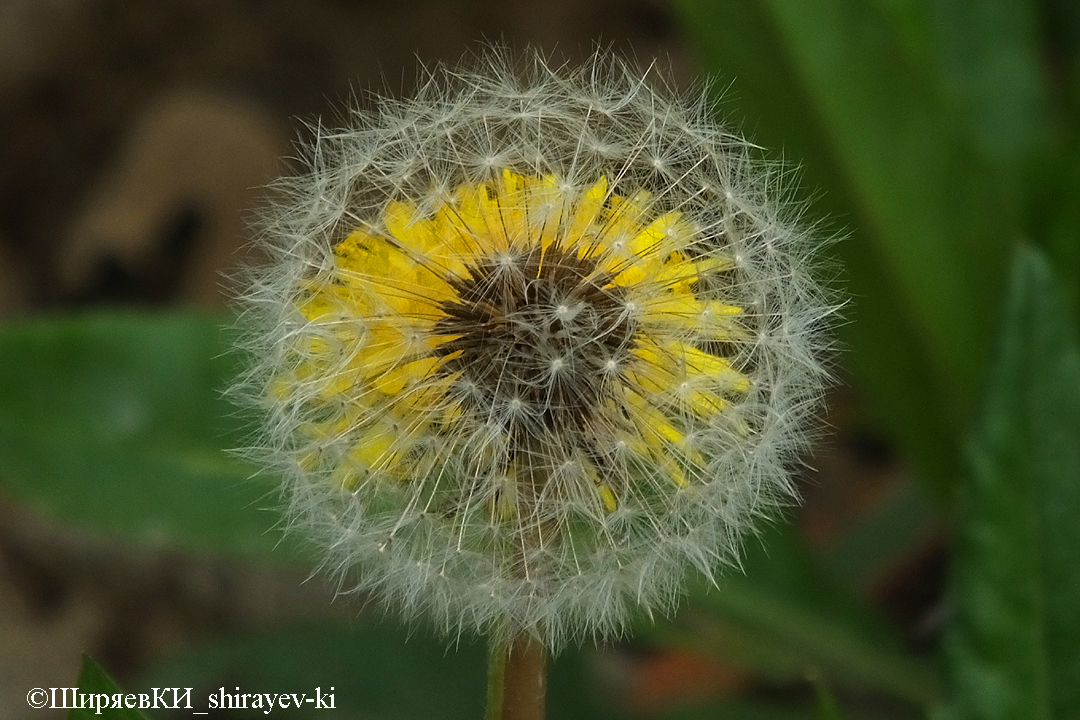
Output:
(935, 137)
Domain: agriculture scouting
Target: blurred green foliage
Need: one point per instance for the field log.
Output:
(941, 138)
(1014, 645)
(924, 129)
(117, 422)
(784, 616)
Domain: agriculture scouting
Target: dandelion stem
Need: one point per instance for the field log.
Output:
(517, 679)
(517, 666)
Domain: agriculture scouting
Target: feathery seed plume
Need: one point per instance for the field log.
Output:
(533, 344)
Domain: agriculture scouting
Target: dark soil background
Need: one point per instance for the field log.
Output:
(134, 138)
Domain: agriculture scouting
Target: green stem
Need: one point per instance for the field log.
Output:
(517, 679)
(517, 666)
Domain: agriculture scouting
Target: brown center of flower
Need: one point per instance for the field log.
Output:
(539, 335)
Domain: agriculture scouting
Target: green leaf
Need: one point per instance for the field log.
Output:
(844, 89)
(1014, 648)
(93, 680)
(116, 422)
(786, 619)
(990, 55)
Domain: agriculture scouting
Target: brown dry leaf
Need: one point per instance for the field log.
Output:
(170, 210)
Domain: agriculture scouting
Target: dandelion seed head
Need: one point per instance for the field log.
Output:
(533, 345)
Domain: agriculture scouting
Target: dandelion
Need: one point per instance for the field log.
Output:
(533, 345)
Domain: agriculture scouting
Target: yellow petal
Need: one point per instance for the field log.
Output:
(409, 374)
(607, 496)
